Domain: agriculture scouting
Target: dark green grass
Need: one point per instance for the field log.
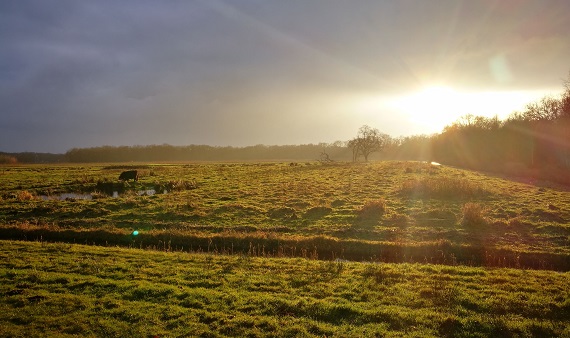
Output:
(72, 290)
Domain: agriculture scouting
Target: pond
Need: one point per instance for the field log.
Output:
(78, 196)
(65, 196)
(148, 192)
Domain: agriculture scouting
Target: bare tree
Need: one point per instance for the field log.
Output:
(367, 141)
(547, 109)
(565, 100)
(324, 158)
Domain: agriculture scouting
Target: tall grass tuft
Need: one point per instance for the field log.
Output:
(177, 185)
(371, 210)
(25, 195)
(441, 187)
(474, 215)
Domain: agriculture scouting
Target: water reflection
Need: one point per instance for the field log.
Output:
(62, 197)
(148, 192)
(115, 194)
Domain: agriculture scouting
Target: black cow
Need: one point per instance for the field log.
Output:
(129, 175)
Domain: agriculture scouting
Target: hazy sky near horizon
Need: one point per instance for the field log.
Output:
(246, 72)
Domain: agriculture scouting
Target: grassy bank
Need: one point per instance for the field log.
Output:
(262, 244)
(66, 290)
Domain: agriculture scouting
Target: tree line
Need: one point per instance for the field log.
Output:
(30, 157)
(165, 152)
(535, 141)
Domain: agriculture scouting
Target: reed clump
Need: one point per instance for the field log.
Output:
(474, 215)
(25, 195)
(370, 213)
(442, 187)
(372, 209)
(180, 185)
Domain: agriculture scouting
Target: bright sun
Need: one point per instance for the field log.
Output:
(433, 106)
(436, 106)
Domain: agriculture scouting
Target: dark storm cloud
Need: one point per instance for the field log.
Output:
(77, 73)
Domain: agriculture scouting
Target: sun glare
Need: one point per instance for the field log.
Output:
(434, 107)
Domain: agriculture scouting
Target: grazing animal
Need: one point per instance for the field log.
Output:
(129, 175)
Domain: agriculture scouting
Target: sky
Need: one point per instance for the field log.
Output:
(246, 72)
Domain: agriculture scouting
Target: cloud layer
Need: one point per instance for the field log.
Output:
(77, 74)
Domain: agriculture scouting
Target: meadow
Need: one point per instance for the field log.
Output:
(65, 290)
(283, 249)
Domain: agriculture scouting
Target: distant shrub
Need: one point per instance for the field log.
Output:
(474, 215)
(6, 159)
(441, 187)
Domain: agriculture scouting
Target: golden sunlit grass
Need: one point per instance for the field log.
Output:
(411, 204)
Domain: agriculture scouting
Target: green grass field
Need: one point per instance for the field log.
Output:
(263, 249)
(65, 290)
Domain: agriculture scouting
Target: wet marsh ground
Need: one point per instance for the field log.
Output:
(415, 202)
(268, 245)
